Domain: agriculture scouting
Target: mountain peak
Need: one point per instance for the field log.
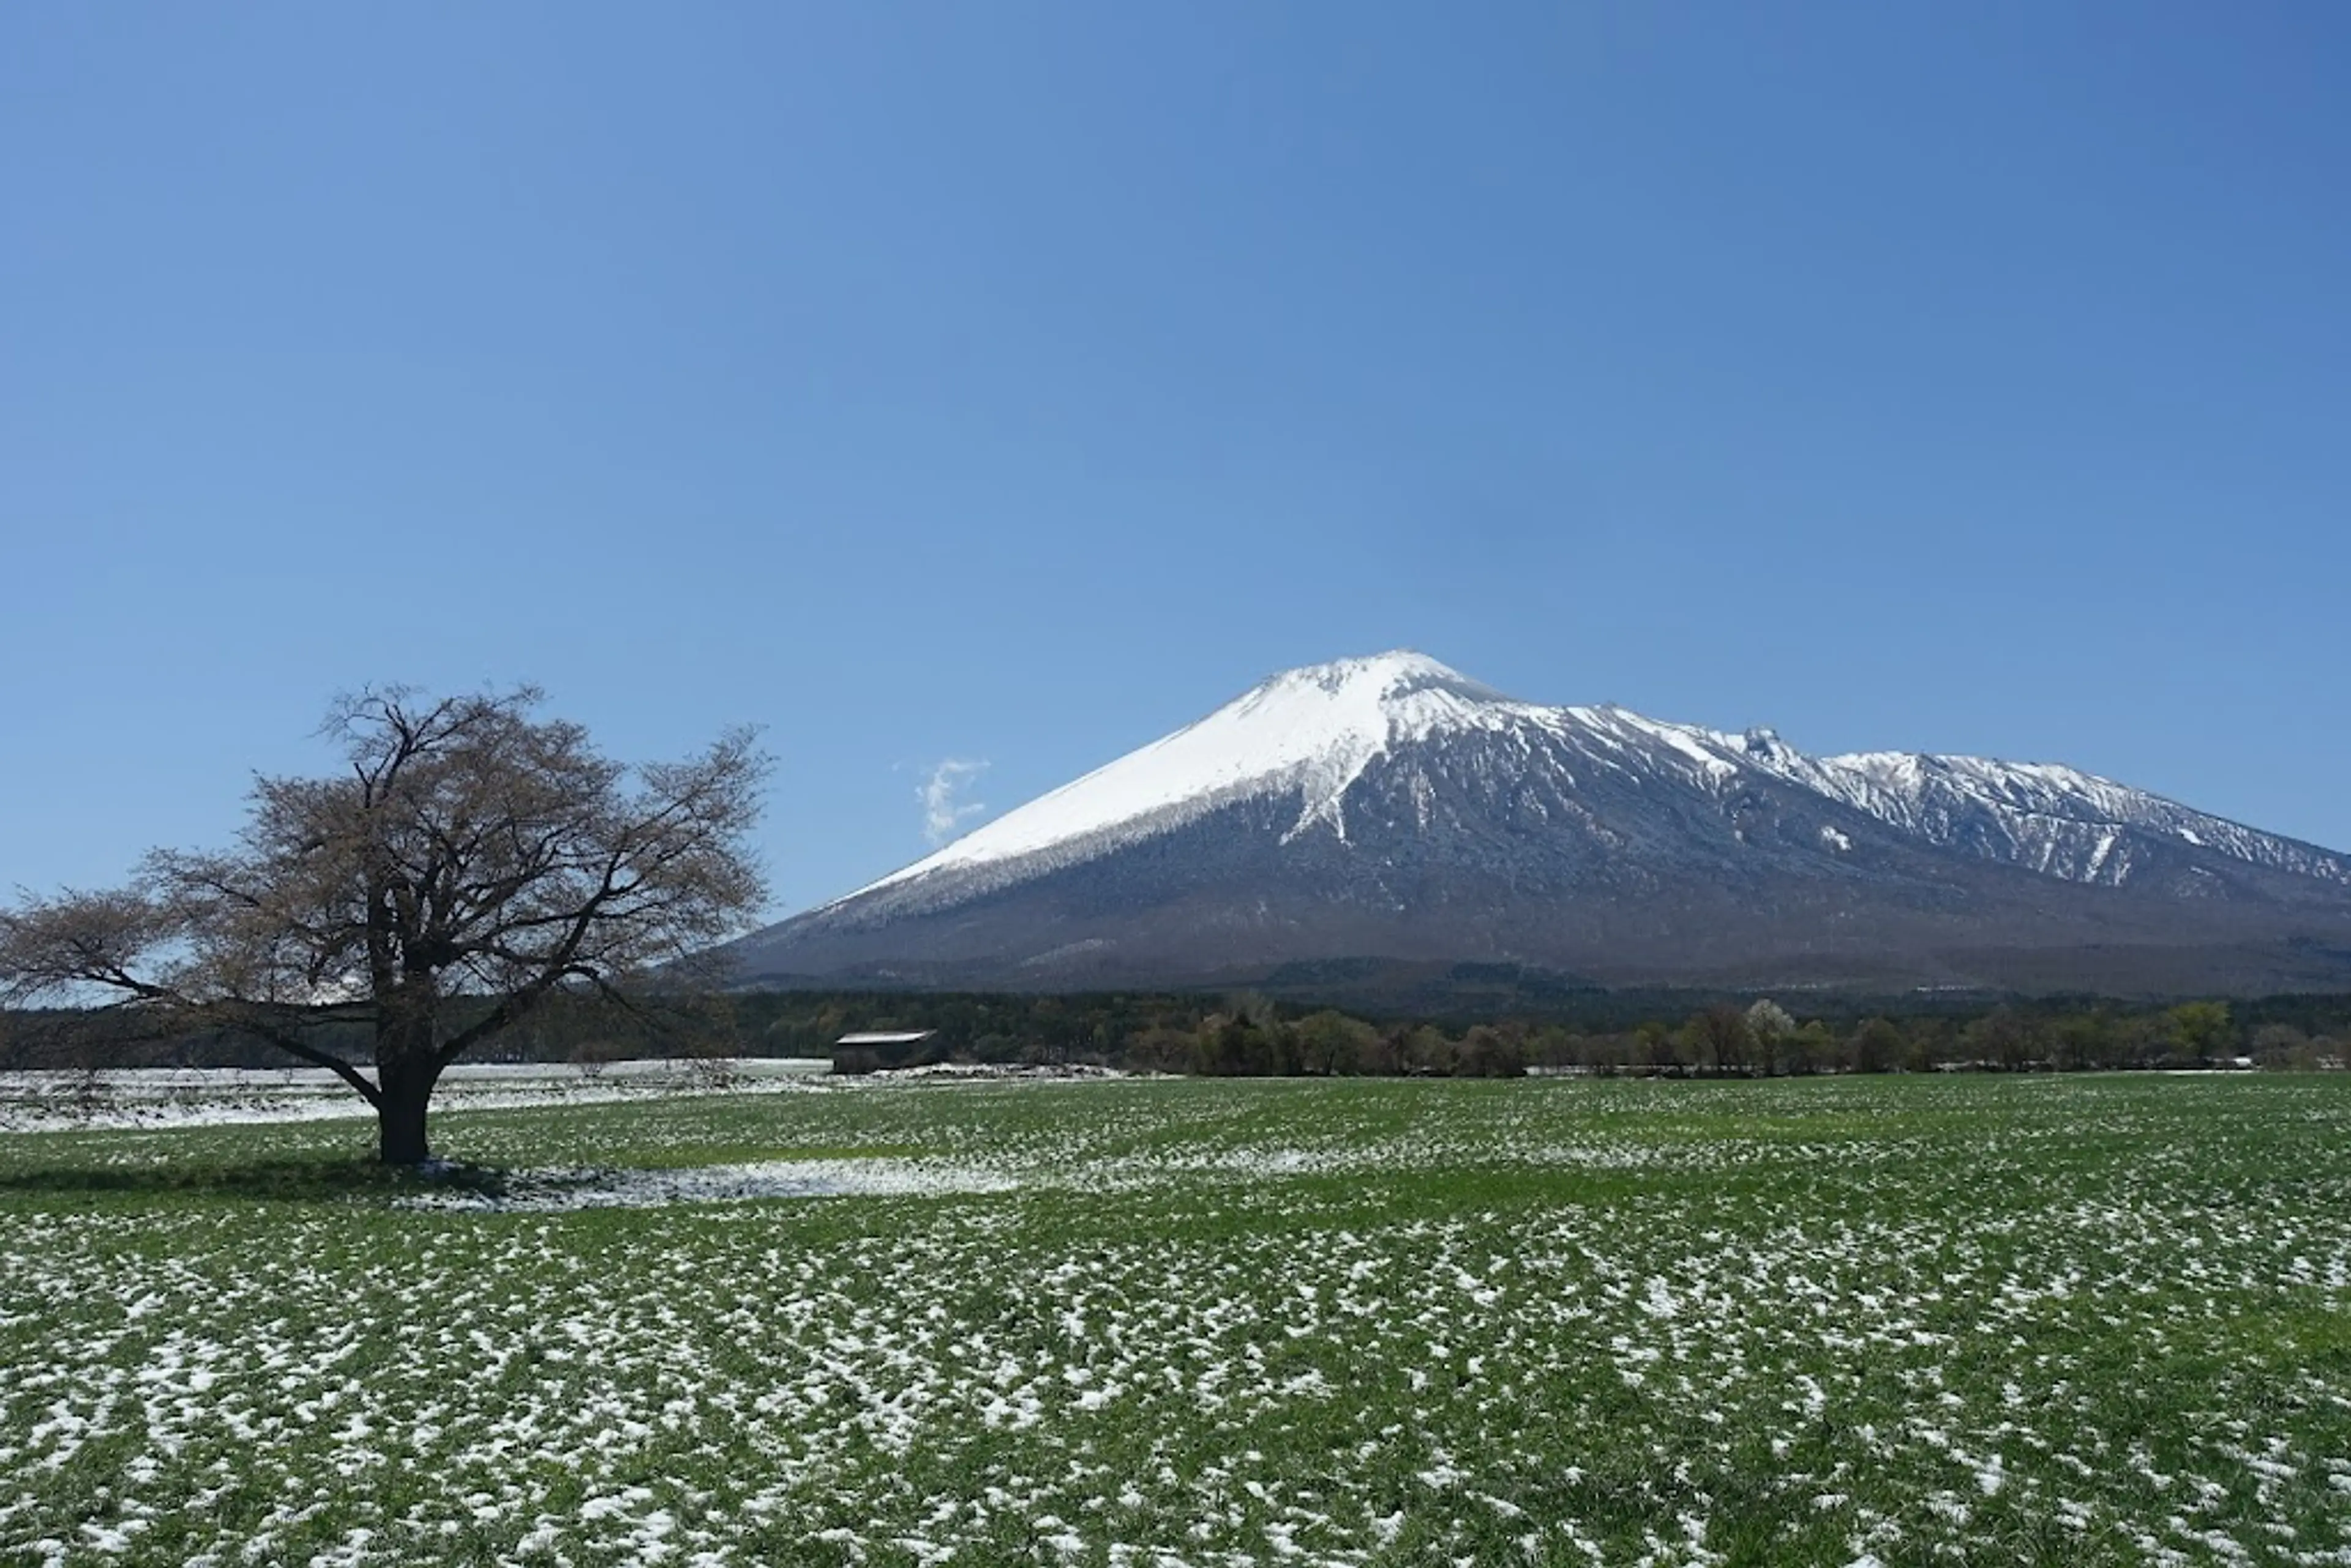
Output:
(1310, 730)
(1398, 672)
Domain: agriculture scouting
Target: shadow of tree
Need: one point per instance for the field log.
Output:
(296, 1179)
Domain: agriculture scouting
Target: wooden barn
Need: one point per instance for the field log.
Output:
(881, 1050)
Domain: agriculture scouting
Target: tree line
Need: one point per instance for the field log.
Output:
(1248, 1035)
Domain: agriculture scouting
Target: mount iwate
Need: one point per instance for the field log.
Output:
(1389, 808)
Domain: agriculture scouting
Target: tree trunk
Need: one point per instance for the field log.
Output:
(399, 1119)
(407, 1066)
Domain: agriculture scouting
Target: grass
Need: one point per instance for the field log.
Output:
(1971, 1320)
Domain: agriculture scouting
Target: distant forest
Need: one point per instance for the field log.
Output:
(1252, 1034)
(1658, 1033)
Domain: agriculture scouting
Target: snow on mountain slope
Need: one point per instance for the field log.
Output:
(1391, 809)
(1307, 736)
(2053, 820)
(1310, 730)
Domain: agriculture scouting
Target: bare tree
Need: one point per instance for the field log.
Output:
(473, 861)
(1720, 1036)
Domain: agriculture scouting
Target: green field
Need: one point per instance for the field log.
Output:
(1977, 1320)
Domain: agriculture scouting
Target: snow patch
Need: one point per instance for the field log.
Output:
(125, 1098)
(548, 1191)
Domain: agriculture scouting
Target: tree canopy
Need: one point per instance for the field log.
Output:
(469, 849)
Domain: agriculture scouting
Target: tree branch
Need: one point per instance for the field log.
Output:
(316, 1058)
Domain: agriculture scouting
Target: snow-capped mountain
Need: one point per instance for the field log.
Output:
(1390, 807)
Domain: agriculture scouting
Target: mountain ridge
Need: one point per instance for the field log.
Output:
(1391, 803)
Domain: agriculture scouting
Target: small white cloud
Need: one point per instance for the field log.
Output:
(941, 792)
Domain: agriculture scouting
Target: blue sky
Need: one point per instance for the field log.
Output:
(1014, 383)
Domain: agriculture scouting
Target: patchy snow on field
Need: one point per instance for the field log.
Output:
(220, 1097)
(548, 1191)
(161, 1097)
(1185, 1325)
